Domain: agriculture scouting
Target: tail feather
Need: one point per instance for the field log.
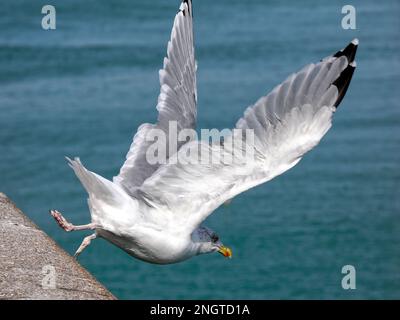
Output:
(96, 186)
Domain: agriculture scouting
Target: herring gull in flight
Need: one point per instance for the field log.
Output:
(155, 212)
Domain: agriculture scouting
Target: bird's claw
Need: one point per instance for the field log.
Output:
(62, 222)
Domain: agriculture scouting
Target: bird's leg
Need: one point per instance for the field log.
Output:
(86, 241)
(67, 226)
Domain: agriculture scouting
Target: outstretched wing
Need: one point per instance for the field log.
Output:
(177, 100)
(286, 123)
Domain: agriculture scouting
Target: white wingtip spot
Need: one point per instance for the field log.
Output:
(353, 64)
(355, 41)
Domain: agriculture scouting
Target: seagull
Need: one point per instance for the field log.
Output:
(155, 211)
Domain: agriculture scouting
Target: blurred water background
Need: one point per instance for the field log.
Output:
(84, 88)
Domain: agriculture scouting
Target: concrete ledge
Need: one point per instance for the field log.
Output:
(33, 266)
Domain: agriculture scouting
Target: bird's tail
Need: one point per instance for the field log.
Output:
(97, 186)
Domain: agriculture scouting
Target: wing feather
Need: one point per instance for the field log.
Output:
(287, 123)
(177, 101)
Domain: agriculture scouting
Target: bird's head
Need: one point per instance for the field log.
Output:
(207, 241)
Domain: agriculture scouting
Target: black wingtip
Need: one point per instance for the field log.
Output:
(349, 51)
(343, 81)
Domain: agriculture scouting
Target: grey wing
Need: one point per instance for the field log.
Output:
(177, 101)
(287, 123)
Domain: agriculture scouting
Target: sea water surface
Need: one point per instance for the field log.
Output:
(84, 88)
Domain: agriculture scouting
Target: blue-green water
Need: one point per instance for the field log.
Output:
(83, 89)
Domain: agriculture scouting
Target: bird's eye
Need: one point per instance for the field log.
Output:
(214, 238)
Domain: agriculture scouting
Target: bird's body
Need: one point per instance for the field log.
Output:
(151, 245)
(135, 228)
(155, 211)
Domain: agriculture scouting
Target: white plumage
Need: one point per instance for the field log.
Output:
(155, 211)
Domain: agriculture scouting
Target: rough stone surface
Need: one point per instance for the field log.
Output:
(29, 259)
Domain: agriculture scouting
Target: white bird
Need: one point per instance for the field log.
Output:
(155, 211)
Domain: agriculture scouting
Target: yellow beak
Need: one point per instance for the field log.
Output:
(225, 251)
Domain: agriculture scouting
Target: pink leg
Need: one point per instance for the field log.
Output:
(86, 241)
(67, 226)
